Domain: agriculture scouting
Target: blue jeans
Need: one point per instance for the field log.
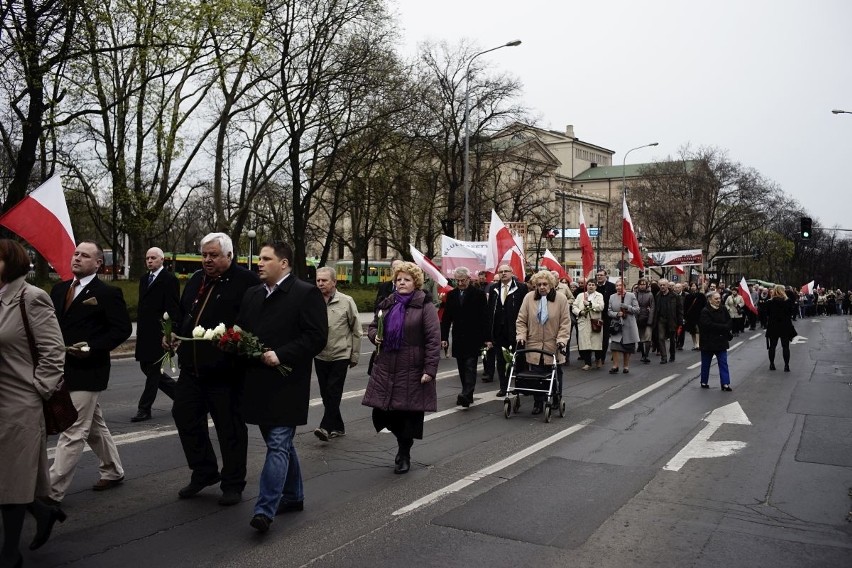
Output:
(722, 359)
(281, 477)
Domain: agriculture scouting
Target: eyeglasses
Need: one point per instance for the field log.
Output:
(505, 271)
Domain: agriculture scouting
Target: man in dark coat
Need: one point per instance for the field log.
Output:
(289, 318)
(504, 303)
(465, 312)
(607, 289)
(668, 315)
(210, 380)
(94, 321)
(159, 294)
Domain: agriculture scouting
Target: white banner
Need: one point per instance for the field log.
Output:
(671, 258)
(456, 253)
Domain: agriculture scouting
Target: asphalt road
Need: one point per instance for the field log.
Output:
(646, 469)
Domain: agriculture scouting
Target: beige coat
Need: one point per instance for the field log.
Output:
(23, 444)
(586, 339)
(557, 328)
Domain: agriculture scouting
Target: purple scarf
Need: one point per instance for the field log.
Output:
(395, 321)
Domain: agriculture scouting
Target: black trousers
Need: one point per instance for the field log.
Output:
(154, 380)
(488, 363)
(772, 344)
(601, 355)
(195, 398)
(331, 376)
(664, 337)
(467, 375)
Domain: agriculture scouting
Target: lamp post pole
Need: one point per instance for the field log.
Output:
(466, 173)
(624, 198)
(563, 195)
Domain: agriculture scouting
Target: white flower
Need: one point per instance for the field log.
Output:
(166, 316)
(85, 349)
(219, 331)
(208, 334)
(237, 329)
(198, 332)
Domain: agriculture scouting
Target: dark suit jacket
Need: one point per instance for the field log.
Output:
(98, 316)
(293, 322)
(161, 297)
(468, 321)
(502, 319)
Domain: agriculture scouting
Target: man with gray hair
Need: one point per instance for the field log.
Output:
(341, 352)
(466, 312)
(210, 381)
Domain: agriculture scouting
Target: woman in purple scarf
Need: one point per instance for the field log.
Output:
(401, 387)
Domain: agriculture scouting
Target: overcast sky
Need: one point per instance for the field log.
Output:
(757, 78)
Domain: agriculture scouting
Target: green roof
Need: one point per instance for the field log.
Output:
(611, 172)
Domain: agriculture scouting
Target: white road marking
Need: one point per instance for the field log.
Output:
(694, 365)
(799, 339)
(735, 345)
(701, 447)
(755, 336)
(642, 392)
(490, 470)
(485, 397)
(132, 437)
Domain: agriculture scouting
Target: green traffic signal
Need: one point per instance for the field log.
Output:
(806, 227)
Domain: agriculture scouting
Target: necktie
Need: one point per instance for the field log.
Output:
(69, 295)
(504, 293)
(461, 297)
(150, 278)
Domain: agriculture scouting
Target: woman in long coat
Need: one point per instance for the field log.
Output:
(588, 306)
(779, 325)
(624, 307)
(23, 387)
(715, 328)
(734, 305)
(693, 304)
(401, 387)
(544, 322)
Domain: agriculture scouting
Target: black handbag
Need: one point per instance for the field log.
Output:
(615, 326)
(59, 410)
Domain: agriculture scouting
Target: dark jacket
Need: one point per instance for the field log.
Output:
(293, 322)
(646, 308)
(778, 322)
(502, 318)
(98, 316)
(468, 321)
(219, 303)
(714, 325)
(395, 381)
(606, 289)
(162, 296)
(693, 303)
(668, 310)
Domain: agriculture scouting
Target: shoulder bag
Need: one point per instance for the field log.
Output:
(59, 410)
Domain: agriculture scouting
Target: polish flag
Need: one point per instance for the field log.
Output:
(549, 261)
(430, 269)
(586, 249)
(500, 242)
(808, 288)
(745, 294)
(679, 269)
(42, 219)
(628, 238)
(516, 263)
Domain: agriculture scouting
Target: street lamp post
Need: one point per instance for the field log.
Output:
(624, 196)
(252, 234)
(563, 195)
(467, 134)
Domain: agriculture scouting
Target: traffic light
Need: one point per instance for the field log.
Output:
(807, 227)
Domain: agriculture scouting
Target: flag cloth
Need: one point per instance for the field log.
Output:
(808, 288)
(586, 250)
(430, 269)
(42, 219)
(500, 242)
(745, 294)
(628, 238)
(514, 260)
(549, 261)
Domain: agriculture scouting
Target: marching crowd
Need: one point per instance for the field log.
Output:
(61, 342)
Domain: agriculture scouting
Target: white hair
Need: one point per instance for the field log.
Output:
(223, 240)
(461, 272)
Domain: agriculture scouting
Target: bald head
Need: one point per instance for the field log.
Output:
(154, 258)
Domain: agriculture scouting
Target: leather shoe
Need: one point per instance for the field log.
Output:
(322, 434)
(727, 388)
(501, 393)
(290, 507)
(404, 465)
(141, 416)
(537, 410)
(194, 488)
(229, 498)
(46, 516)
(104, 484)
(260, 523)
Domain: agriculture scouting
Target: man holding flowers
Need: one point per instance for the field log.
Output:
(210, 380)
(288, 316)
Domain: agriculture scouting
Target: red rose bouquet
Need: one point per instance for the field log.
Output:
(246, 344)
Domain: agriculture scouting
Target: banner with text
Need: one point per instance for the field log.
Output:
(675, 257)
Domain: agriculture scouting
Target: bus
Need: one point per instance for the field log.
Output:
(378, 271)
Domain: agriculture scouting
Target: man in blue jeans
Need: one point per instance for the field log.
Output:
(288, 316)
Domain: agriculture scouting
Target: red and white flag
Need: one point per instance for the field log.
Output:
(549, 261)
(42, 219)
(808, 288)
(586, 250)
(430, 269)
(503, 248)
(628, 238)
(745, 294)
(679, 268)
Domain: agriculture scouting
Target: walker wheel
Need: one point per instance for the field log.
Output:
(561, 408)
(517, 404)
(547, 413)
(507, 409)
